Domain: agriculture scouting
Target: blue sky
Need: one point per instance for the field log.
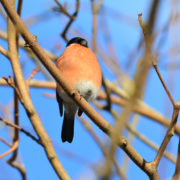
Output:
(83, 152)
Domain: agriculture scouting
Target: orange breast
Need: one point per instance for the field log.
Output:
(79, 63)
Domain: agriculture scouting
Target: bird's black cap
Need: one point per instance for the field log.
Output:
(78, 40)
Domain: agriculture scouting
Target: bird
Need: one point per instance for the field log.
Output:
(80, 67)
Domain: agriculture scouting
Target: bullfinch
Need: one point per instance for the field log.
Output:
(80, 67)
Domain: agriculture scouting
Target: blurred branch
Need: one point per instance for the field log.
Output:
(177, 171)
(4, 52)
(95, 9)
(34, 83)
(169, 134)
(176, 106)
(148, 45)
(63, 10)
(20, 129)
(2, 13)
(4, 141)
(142, 109)
(138, 135)
(87, 126)
(110, 57)
(140, 78)
(21, 43)
(13, 148)
(11, 83)
(72, 18)
(137, 93)
(131, 137)
(152, 15)
(138, 107)
(40, 66)
(19, 9)
(4, 36)
(149, 143)
(34, 72)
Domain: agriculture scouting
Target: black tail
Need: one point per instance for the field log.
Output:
(67, 132)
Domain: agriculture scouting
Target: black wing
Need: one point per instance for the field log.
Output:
(80, 112)
(60, 102)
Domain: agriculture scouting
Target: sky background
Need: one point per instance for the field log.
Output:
(80, 157)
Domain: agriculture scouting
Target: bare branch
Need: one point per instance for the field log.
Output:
(34, 72)
(148, 44)
(13, 148)
(20, 129)
(169, 134)
(4, 52)
(103, 149)
(63, 10)
(177, 171)
(63, 34)
(5, 142)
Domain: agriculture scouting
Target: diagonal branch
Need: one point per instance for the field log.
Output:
(103, 149)
(5, 142)
(20, 129)
(148, 44)
(4, 52)
(169, 134)
(63, 10)
(73, 17)
(177, 171)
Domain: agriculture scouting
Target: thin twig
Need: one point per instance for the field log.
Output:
(163, 83)
(5, 142)
(177, 171)
(39, 65)
(13, 148)
(95, 9)
(4, 36)
(149, 143)
(63, 10)
(170, 131)
(169, 134)
(94, 25)
(74, 15)
(33, 73)
(4, 52)
(20, 129)
(148, 44)
(10, 82)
